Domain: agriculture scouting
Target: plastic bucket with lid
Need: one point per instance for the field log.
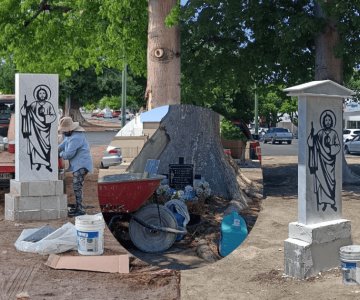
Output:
(350, 264)
(90, 234)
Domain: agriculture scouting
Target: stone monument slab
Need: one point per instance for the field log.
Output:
(36, 108)
(36, 193)
(314, 241)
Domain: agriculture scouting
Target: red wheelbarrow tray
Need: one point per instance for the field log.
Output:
(126, 192)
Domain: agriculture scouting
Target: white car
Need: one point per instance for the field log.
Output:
(278, 134)
(352, 146)
(348, 134)
(108, 114)
(111, 157)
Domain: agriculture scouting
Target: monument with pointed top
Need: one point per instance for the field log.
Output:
(315, 239)
(36, 193)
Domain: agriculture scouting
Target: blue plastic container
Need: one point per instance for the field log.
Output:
(233, 233)
(179, 220)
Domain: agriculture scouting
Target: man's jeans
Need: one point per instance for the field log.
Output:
(78, 182)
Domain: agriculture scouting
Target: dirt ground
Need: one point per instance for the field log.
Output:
(253, 271)
(26, 272)
(256, 269)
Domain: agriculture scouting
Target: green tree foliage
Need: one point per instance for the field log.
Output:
(354, 84)
(290, 106)
(110, 102)
(74, 34)
(230, 45)
(7, 75)
(229, 131)
(85, 86)
(270, 99)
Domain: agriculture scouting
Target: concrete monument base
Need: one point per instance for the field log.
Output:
(311, 249)
(35, 200)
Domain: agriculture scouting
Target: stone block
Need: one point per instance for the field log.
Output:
(10, 203)
(50, 214)
(63, 213)
(321, 232)
(49, 202)
(9, 214)
(59, 187)
(54, 202)
(19, 188)
(27, 215)
(63, 202)
(41, 188)
(320, 250)
(298, 258)
(28, 203)
(18, 208)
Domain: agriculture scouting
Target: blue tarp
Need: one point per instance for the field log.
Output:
(154, 115)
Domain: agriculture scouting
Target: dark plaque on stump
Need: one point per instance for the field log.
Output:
(181, 175)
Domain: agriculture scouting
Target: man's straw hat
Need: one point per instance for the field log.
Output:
(67, 124)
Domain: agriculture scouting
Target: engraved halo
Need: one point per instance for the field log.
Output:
(330, 113)
(44, 87)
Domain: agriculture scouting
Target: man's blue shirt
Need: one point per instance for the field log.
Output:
(76, 150)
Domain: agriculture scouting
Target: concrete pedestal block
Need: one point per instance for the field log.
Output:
(311, 249)
(34, 201)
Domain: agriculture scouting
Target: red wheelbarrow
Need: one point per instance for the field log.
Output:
(152, 227)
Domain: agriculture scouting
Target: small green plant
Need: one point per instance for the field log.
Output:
(229, 131)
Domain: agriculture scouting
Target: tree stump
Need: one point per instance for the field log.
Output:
(193, 133)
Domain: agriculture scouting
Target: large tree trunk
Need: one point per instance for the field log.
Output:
(72, 109)
(163, 57)
(330, 66)
(327, 64)
(200, 146)
(186, 131)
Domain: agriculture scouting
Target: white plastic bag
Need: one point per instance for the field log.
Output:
(61, 240)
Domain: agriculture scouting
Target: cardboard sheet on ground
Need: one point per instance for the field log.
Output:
(103, 263)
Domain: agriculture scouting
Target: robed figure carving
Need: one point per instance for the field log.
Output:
(323, 149)
(37, 118)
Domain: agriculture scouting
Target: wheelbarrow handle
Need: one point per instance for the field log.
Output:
(158, 228)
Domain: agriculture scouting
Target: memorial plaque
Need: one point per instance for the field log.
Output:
(181, 175)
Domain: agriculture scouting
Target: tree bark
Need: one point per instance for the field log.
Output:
(193, 133)
(327, 64)
(73, 111)
(330, 66)
(163, 57)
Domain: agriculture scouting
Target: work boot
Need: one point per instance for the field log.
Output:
(77, 211)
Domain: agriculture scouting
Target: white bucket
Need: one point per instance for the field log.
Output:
(350, 264)
(90, 234)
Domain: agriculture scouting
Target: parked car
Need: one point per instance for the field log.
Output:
(116, 113)
(278, 134)
(7, 107)
(349, 134)
(352, 146)
(108, 114)
(111, 157)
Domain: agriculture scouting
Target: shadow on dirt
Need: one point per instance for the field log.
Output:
(280, 180)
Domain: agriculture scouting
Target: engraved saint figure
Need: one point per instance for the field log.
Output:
(323, 148)
(36, 127)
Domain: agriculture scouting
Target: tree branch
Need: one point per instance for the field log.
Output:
(44, 6)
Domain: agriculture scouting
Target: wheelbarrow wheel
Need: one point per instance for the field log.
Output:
(150, 240)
